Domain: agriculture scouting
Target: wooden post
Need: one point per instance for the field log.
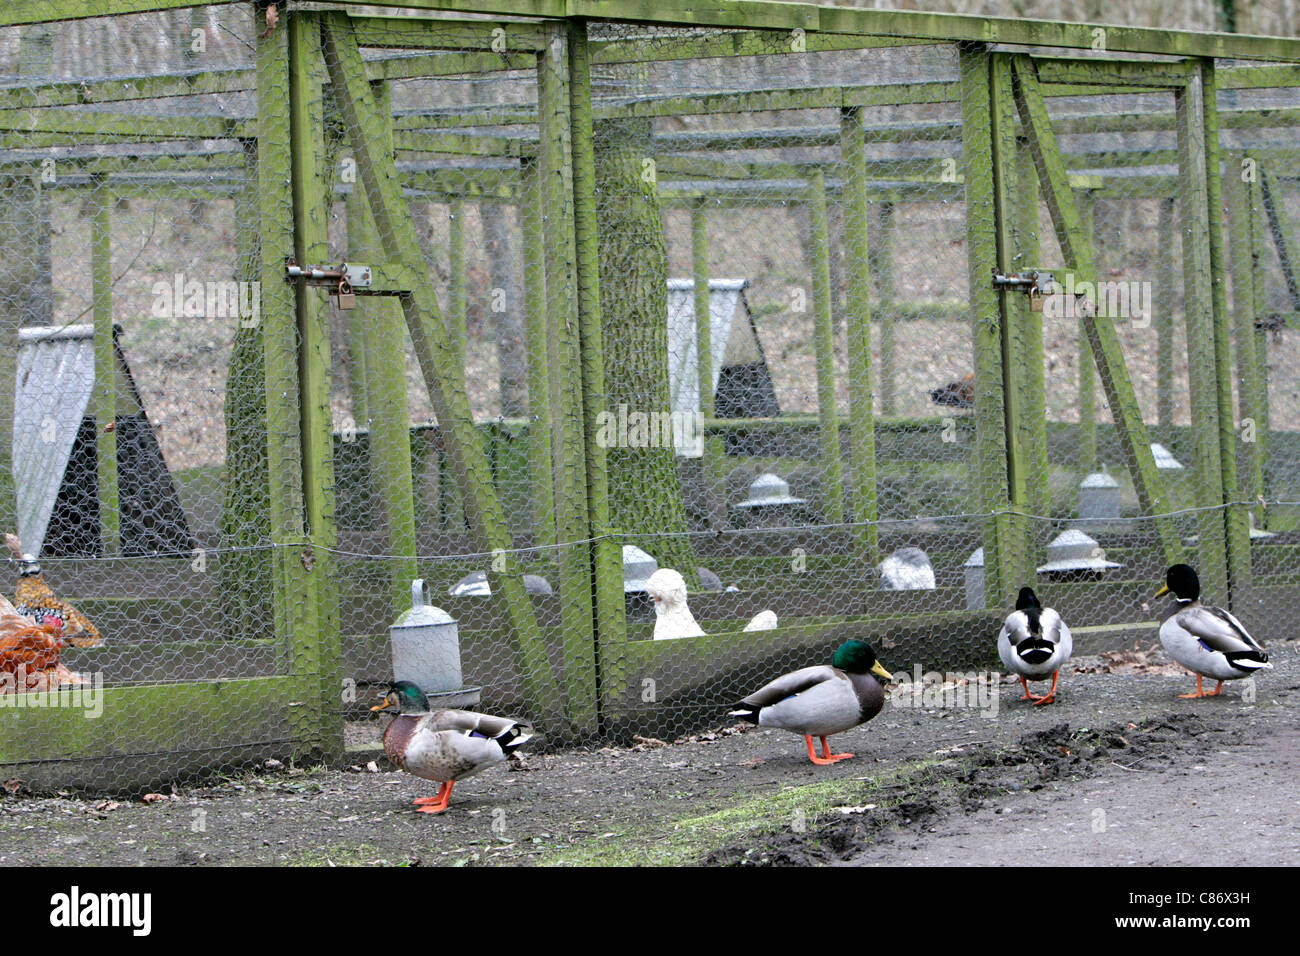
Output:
(531, 217)
(1166, 282)
(568, 365)
(1033, 413)
(881, 265)
(322, 646)
(711, 461)
(378, 324)
(1251, 402)
(1087, 363)
(607, 551)
(857, 267)
(983, 240)
(1203, 403)
(824, 340)
(1235, 517)
(105, 394)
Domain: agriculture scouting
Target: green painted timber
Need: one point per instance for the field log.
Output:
(989, 462)
(1263, 432)
(531, 218)
(1012, 356)
(464, 144)
(438, 358)
(824, 347)
(1241, 189)
(458, 280)
(1076, 246)
(1167, 281)
(712, 462)
(1212, 557)
(764, 14)
(105, 392)
(857, 265)
(382, 331)
(1107, 72)
(888, 310)
(161, 720)
(1236, 521)
(512, 36)
(1033, 417)
(1087, 362)
(295, 620)
(755, 14)
(565, 366)
(108, 126)
(606, 553)
(316, 648)
(730, 44)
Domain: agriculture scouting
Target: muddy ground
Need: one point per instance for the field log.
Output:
(1118, 771)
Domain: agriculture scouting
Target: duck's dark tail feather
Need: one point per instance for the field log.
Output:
(1035, 650)
(1249, 661)
(514, 738)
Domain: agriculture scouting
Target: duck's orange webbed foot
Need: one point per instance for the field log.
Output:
(1201, 692)
(1050, 696)
(827, 757)
(435, 804)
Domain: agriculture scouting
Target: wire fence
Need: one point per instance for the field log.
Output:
(526, 235)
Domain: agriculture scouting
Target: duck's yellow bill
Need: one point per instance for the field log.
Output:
(384, 706)
(1163, 591)
(880, 671)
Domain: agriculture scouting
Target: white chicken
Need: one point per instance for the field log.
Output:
(673, 618)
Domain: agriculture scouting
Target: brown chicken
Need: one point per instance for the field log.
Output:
(29, 653)
(36, 600)
(960, 394)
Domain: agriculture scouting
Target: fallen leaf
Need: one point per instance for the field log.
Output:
(13, 785)
(153, 798)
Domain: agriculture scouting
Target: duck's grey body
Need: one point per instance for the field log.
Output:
(817, 701)
(448, 745)
(1209, 641)
(1034, 654)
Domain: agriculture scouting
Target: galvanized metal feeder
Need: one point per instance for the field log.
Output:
(426, 651)
(1074, 555)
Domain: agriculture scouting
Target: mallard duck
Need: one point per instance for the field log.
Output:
(822, 700)
(1034, 642)
(1207, 640)
(444, 745)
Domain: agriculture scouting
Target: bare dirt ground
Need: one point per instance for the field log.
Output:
(1118, 771)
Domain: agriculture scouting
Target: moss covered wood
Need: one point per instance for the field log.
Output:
(380, 330)
(1076, 246)
(645, 491)
(438, 357)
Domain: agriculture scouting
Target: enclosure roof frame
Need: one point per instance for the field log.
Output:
(772, 15)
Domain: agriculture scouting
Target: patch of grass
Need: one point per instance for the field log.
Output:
(684, 840)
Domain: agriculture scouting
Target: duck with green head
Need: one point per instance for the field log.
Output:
(444, 745)
(822, 700)
(1207, 640)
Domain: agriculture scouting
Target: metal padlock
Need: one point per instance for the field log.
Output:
(346, 298)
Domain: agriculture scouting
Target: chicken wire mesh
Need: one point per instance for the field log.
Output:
(872, 454)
